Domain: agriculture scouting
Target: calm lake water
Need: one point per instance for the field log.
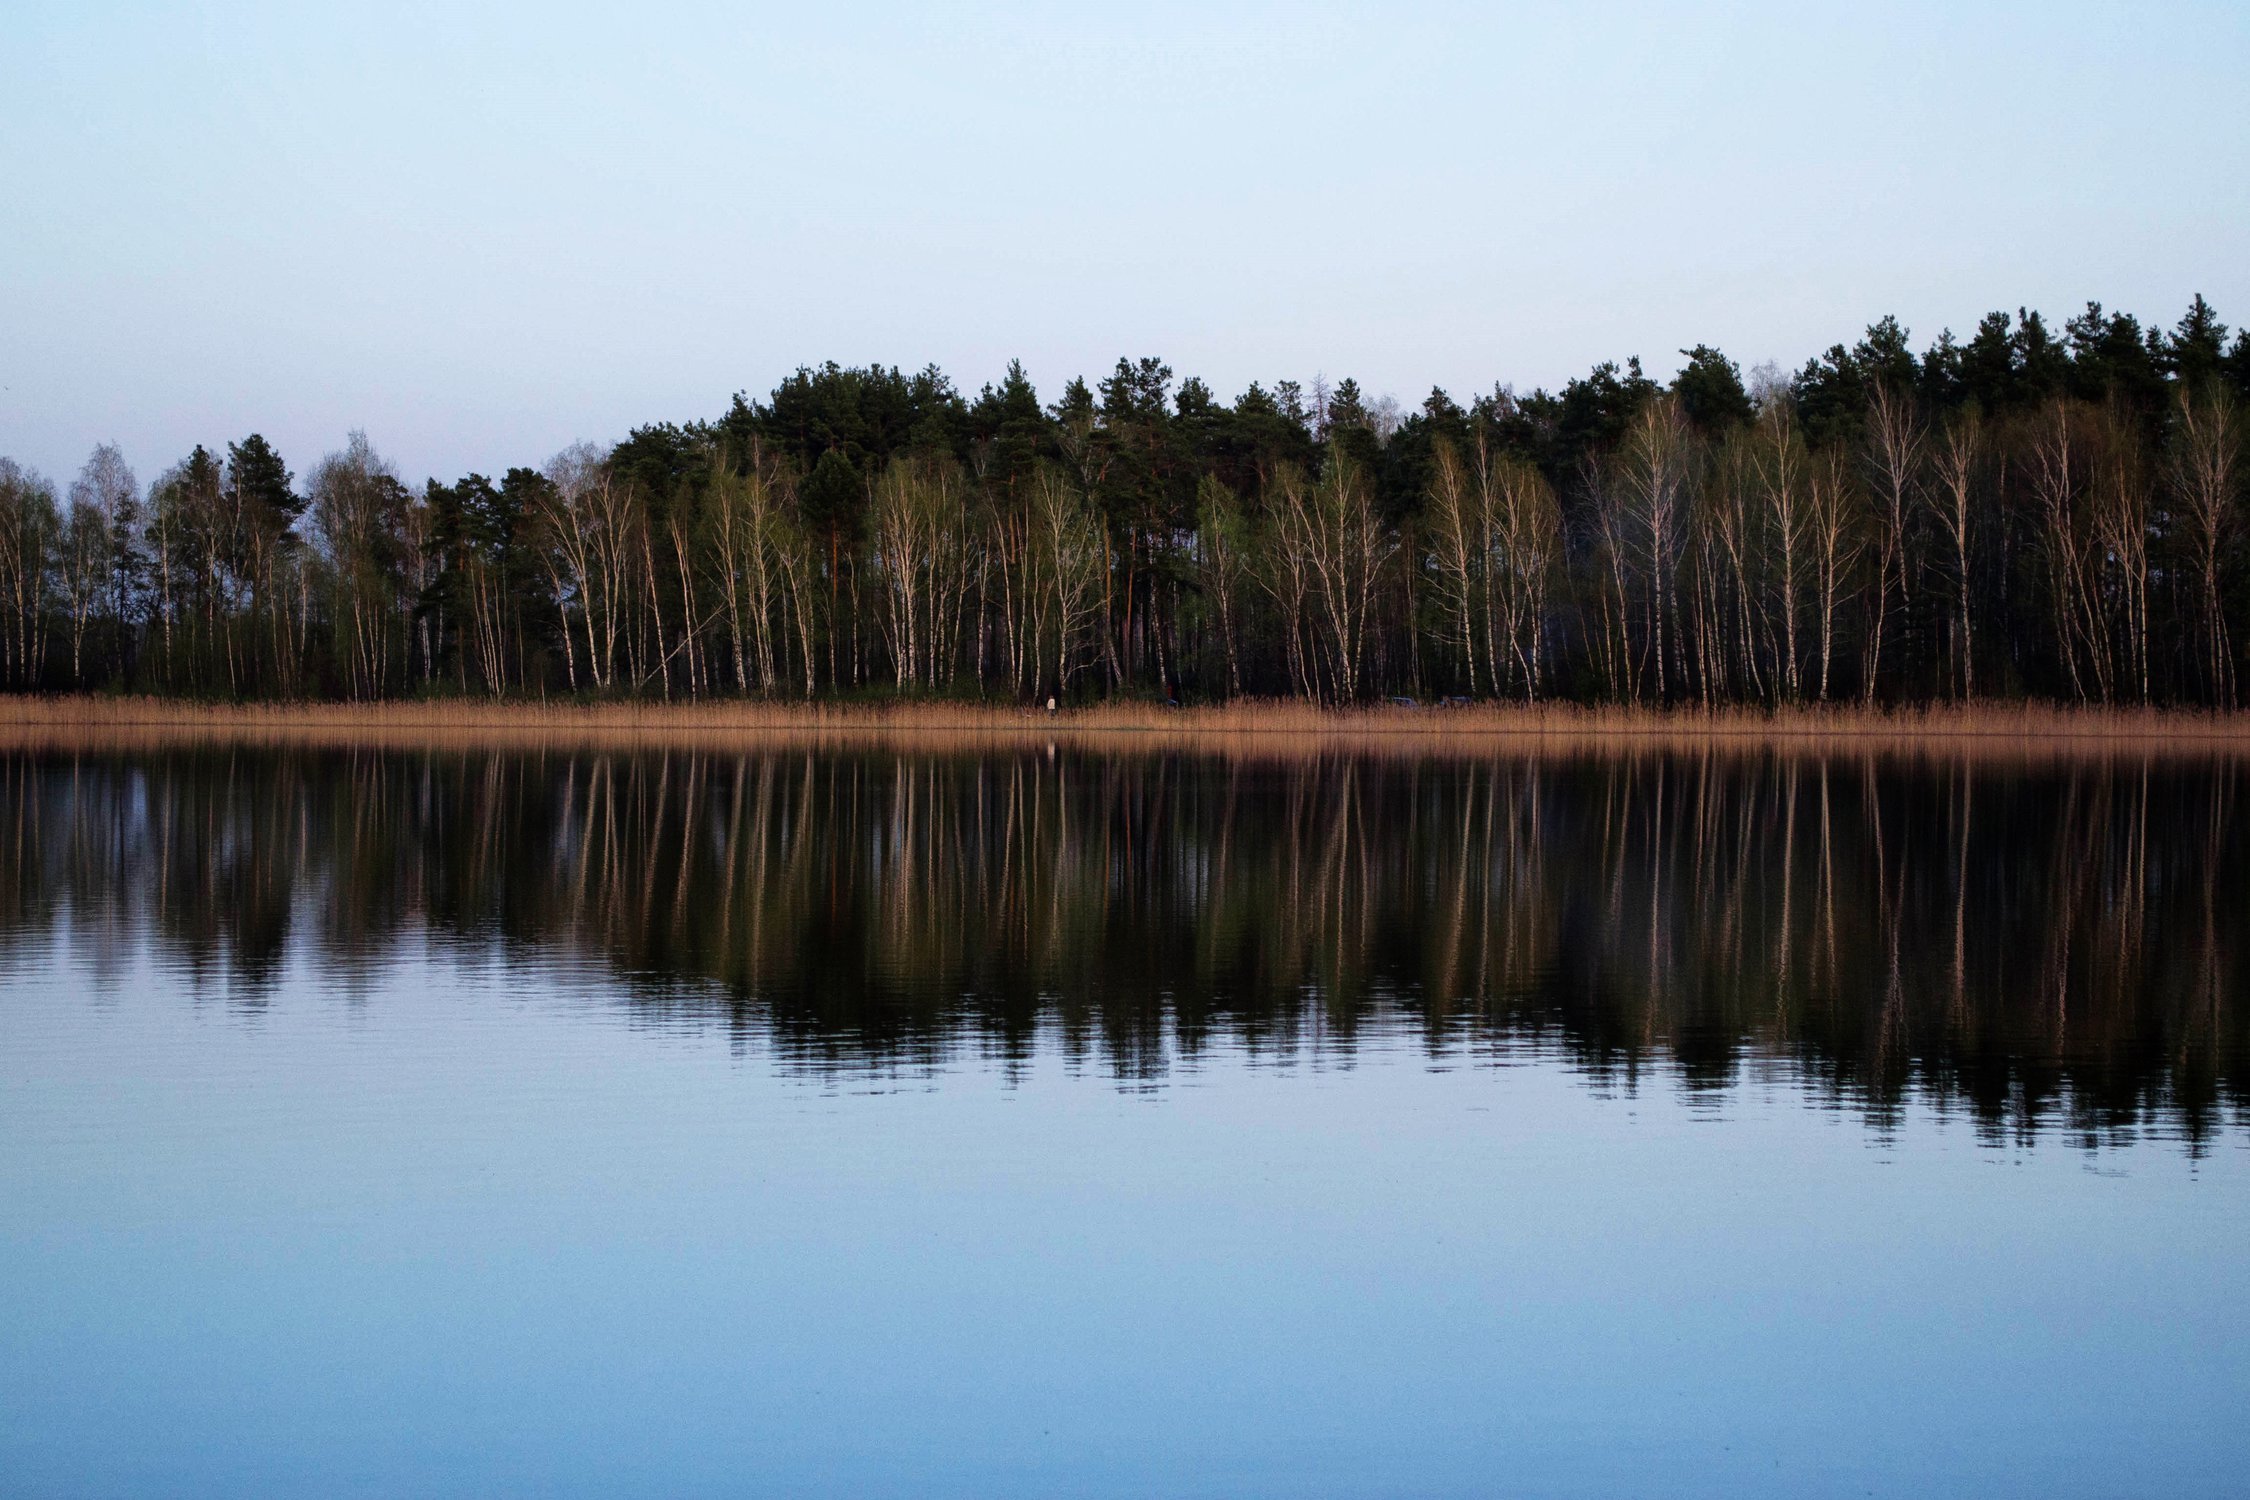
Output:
(1044, 1122)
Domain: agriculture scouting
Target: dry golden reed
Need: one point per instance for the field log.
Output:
(1247, 727)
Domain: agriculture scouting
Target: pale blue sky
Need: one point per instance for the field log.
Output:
(481, 233)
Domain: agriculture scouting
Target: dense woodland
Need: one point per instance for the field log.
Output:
(2026, 512)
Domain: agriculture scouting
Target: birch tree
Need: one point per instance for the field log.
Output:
(1524, 551)
(2205, 480)
(1347, 547)
(1897, 448)
(1953, 501)
(29, 522)
(1069, 557)
(1460, 526)
(1785, 485)
(1222, 539)
(1655, 470)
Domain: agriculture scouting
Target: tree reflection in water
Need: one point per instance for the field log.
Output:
(2043, 941)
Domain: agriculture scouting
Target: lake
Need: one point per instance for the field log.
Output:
(1061, 1119)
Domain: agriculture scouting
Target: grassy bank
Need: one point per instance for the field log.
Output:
(84, 721)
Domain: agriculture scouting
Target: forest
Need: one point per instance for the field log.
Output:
(2025, 513)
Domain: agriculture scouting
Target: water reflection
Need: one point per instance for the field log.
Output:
(2046, 944)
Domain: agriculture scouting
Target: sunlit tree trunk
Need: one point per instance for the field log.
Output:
(1896, 448)
(1835, 518)
(1219, 537)
(1958, 455)
(1458, 537)
(1784, 487)
(2205, 483)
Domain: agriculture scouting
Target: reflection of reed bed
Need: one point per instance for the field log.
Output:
(1287, 729)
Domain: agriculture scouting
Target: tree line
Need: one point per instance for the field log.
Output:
(2021, 513)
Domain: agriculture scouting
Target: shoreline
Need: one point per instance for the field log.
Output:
(89, 722)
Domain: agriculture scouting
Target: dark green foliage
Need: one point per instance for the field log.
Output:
(1833, 391)
(834, 495)
(1710, 389)
(666, 464)
(2236, 368)
(1138, 480)
(1262, 432)
(2110, 358)
(868, 414)
(1009, 434)
(1984, 372)
(2193, 352)
(258, 482)
(1405, 465)
(1588, 418)
(1350, 426)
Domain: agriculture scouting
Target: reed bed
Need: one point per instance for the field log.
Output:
(1247, 727)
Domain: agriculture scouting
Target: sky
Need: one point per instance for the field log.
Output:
(481, 233)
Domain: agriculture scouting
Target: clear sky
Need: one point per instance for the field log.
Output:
(481, 233)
